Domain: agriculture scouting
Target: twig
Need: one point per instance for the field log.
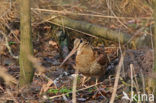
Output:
(143, 82)
(131, 81)
(100, 92)
(136, 81)
(123, 82)
(116, 79)
(11, 32)
(74, 29)
(109, 7)
(85, 14)
(7, 45)
(135, 35)
(57, 96)
(76, 91)
(53, 17)
(9, 9)
(45, 87)
(152, 43)
(74, 87)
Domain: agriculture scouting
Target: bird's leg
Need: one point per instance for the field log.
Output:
(88, 79)
(85, 79)
(97, 79)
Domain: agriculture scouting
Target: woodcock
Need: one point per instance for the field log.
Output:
(89, 62)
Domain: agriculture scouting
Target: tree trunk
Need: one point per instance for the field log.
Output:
(26, 48)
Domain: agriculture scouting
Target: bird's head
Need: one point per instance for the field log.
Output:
(79, 45)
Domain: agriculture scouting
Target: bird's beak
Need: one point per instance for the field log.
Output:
(69, 55)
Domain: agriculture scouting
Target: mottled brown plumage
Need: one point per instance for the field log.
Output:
(89, 62)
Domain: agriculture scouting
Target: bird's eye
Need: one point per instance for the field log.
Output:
(81, 41)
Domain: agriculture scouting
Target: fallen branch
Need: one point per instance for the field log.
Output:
(103, 32)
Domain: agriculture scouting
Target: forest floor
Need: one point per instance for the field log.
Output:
(55, 84)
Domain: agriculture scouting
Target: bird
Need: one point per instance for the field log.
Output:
(88, 61)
